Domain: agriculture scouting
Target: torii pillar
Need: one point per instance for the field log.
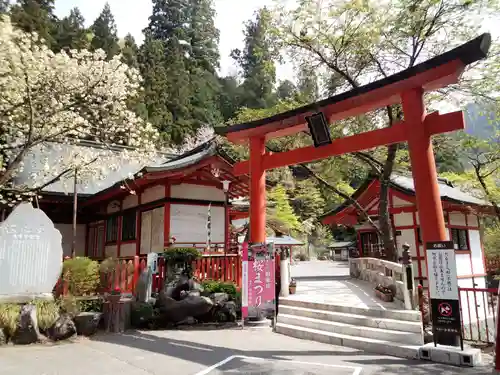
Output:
(257, 190)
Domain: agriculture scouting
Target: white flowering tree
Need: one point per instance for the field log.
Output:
(52, 100)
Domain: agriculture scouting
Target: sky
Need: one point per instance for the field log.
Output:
(131, 16)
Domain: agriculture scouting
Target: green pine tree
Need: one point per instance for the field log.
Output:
(72, 33)
(169, 25)
(152, 64)
(286, 90)
(36, 16)
(230, 97)
(307, 84)
(257, 62)
(105, 33)
(130, 50)
(203, 62)
(281, 216)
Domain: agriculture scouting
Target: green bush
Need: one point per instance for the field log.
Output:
(47, 313)
(81, 275)
(9, 317)
(69, 305)
(74, 305)
(141, 315)
(303, 257)
(213, 286)
(181, 255)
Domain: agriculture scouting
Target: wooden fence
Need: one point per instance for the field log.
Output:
(126, 273)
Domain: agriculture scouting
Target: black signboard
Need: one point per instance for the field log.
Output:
(447, 327)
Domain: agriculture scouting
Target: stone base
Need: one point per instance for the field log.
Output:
(451, 355)
(257, 323)
(25, 298)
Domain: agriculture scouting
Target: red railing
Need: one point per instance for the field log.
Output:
(218, 267)
(127, 271)
(478, 309)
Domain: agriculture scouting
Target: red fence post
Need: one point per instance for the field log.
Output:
(497, 338)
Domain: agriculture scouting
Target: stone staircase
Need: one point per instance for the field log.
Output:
(382, 331)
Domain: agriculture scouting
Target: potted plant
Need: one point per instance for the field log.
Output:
(384, 293)
(292, 288)
(115, 295)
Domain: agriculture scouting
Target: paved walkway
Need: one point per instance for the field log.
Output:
(257, 351)
(329, 282)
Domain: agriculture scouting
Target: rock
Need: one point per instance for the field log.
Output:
(87, 323)
(219, 298)
(185, 285)
(62, 329)
(177, 311)
(3, 336)
(229, 309)
(188, 321)
(27, 331)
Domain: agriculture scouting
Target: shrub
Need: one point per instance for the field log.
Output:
(82, 276)
(73, 306)
(47, 313)
(213, 286)
(69, 305)
(181, 255)
(9, 317)
(141, 315)
(303, 257)
(90, 304)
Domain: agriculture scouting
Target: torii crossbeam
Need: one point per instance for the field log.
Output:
(406, 87)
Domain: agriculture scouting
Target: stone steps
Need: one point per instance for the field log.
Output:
(406, 315)
(354, 319)
(369, 345)
(391, 332)
(352, 330)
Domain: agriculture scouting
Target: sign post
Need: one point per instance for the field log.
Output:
(443, 288)
(258, 284)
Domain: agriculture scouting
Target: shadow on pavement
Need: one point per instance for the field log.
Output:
(208, 355)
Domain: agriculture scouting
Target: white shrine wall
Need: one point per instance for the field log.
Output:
(160, 222)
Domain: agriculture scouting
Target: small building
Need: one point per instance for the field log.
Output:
(341, 250)
(462, 213)
(136, 210)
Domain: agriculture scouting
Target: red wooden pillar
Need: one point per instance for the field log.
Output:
(423, 165)
(257, 190)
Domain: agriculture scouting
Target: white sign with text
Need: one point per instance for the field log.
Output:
(442, 270)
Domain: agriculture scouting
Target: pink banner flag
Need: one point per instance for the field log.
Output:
(258, 279)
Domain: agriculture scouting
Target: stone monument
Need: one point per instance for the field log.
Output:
(30, 255)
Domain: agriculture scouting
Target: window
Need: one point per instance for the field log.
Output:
(460, 239)
(95, 246)
(112, 229)
(128, 226)
(419, 236)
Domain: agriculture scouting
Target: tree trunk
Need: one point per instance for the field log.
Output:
(385, 223)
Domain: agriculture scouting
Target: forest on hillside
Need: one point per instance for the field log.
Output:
(170, 91)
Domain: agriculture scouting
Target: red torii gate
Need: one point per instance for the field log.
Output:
(406, 87)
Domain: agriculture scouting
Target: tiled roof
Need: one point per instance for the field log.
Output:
(284, 241)
(339, 245)
(164, 162)
(446, 190)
